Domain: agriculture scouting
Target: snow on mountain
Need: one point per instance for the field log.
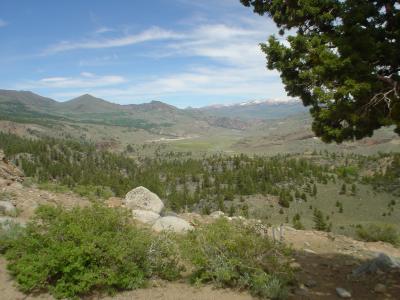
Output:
(275, 101)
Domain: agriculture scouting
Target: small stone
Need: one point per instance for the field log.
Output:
(309, 251)
(380, 288)
(295, 265)
(342, 293)
(310, 283)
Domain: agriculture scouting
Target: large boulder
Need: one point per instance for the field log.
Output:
(8, 209)
(145, 216)
(171, 223)
(142, 199)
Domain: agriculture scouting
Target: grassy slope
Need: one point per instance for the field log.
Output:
(363, 208)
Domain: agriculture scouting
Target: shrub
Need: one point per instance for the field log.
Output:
(71, 253)
(375, 233)
(235, 255)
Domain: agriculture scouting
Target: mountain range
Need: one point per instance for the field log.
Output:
(255, 126)
(24, 104)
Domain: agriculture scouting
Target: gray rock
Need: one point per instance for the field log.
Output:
(217, 214)
(382, 262)
(171, 223)
(310, 283)
(145, 216)
(141, 198)
(342, 293)
(8, 209)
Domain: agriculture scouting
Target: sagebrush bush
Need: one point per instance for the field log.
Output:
(71, 253)
(234, 255)
(384, 233)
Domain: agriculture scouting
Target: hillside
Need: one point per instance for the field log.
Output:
(86, 104)
(334, 256)
(262, 126)
(29, 99)
(268, 109)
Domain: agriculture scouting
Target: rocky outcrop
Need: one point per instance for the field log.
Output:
(145, 216)
(141, 198)
(171, 223)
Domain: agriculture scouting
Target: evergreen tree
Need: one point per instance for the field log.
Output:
(343, 60)
(319, 220)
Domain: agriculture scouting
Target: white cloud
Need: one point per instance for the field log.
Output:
(103, 29)
(234, 64)
(229, 81)
(98, 61)
(84, 80)
(151, 34)
(232, 44)
(3, 23)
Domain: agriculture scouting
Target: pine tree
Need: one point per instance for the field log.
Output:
(319, 220)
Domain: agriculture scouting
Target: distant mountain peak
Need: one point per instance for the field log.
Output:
(27, 98)
(261, 109)
(86, 97)
(271, 101)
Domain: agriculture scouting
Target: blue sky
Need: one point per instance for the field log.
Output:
(183, 52)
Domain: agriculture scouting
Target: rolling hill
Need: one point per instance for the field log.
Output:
(27, 106)
(268, 109)
(261, 126)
